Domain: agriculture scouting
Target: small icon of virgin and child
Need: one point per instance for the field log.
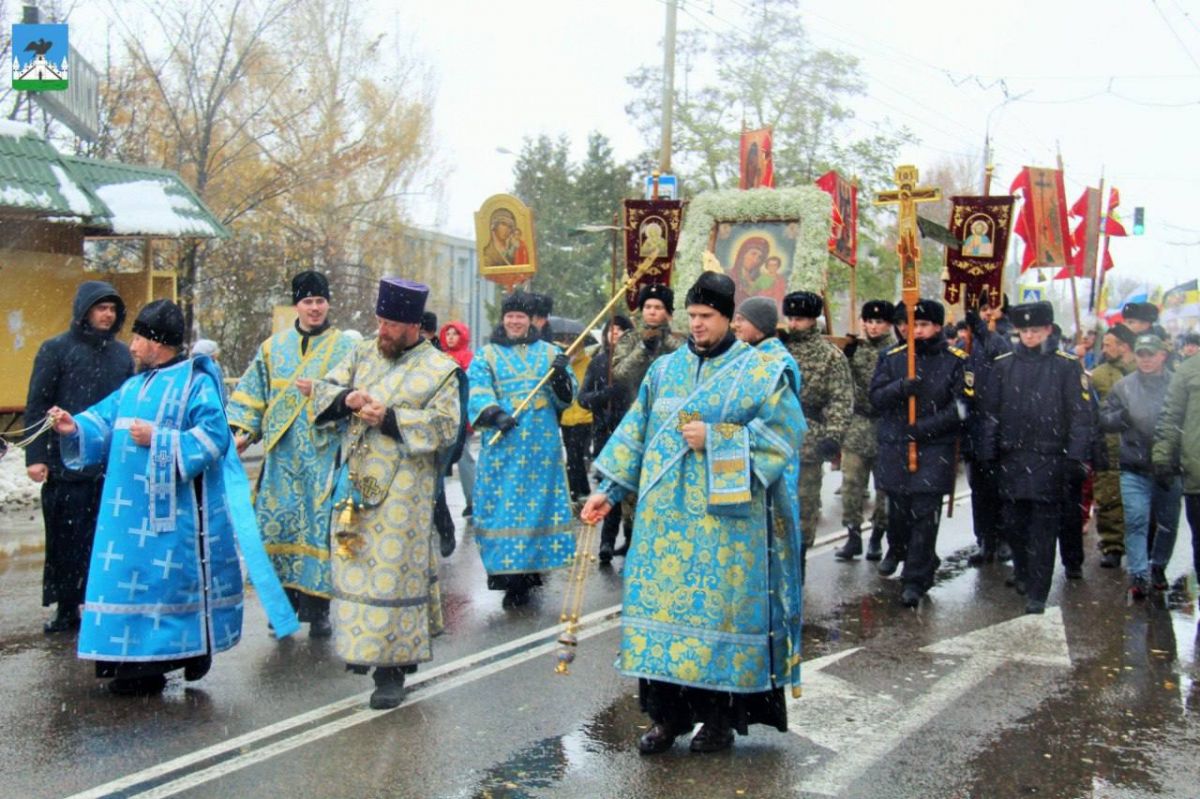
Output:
(760, 255)
(506, 245)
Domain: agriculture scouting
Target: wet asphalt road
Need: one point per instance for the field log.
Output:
(964, 697)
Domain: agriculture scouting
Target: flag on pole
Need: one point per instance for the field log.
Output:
(757, 167)
(1042, 222)
(1181, 308)
(1085, 239)
(975, 261)
(1112, 222)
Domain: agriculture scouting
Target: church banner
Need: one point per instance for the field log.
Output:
(1042, 222)
(651, 231)
(975, 263)
(843, 233)
(757, 168)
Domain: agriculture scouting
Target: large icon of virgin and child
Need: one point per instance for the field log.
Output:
(757, 255)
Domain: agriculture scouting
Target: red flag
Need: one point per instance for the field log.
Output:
(757, 166)
(1042, 223)
(1085, 237)
(843, 233)
(1112, 223)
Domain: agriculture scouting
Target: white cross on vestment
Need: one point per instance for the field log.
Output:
(143, 532)
(118, 503)
(156, 614)
(127, 449)
(167, 564)
(218, 586)
(227, 641)
(109, 556)
(182, 643)
(133, 585)
(99, 613)
(144, 480)
(170, 405)
(125, 640)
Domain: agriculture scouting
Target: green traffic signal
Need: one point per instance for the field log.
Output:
(1139, 221)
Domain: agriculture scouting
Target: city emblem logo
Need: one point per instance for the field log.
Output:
(39, 58)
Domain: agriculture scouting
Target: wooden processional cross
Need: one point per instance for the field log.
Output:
(906, 196)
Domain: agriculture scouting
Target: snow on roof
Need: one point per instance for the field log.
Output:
(77, 201)
(20, 198)
(10, 127)
(144, 207)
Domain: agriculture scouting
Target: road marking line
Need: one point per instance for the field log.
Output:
(340, 706)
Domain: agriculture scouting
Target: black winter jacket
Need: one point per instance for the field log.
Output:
(941, 409)
(1038, 419)
(75, 370)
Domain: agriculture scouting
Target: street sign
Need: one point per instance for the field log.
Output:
(668, 187)
(79, 106)
(1032, 294)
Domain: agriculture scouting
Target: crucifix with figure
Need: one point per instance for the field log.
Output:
(906, 196)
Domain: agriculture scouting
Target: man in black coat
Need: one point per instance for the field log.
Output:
(1037, 434)
(915, 498)
(991, 337)
(73, 370)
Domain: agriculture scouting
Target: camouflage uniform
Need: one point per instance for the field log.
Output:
(1110, 513)
(860, 445)
(827, 396)
(632, 358)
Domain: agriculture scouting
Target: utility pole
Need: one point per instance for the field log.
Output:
(668, 101)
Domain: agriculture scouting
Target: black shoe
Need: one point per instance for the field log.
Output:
(875, 545)
(606, 551)
(1004, 552)
(1139, 587)
(138, 686)
(197, 667)
(712, 737)
(982, 557)
(66, 619)
(467, 511)
(1110, 560)
(888, 566)
(515, 597)
(389, 688)
(911, 597)
(1158, 578)
(1074, 572)
(446, 542)
(1035, 606)
(853, 547)
(657, 739)
(321, 628)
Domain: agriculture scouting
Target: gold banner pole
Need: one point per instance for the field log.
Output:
(642, 269)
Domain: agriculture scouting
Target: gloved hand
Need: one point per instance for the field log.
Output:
(912, 386)
(851, 346)
(828, 449)
(561, 362)
(504, 422)
(1164, 475)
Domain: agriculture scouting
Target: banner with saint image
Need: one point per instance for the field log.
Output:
(975, 265)
(651, 231)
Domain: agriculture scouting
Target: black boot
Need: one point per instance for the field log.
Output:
(66, 619)
(389, 688)
(875, 544)
(715, 735)
(657, 739)
(890, 562)
(197, 667)
(320, 626)
(138, 686)
(608, 541)
(853, 547)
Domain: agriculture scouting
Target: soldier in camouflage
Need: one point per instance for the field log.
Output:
(639, 348)
(860, 446)
(826, 395)
(1117, 351)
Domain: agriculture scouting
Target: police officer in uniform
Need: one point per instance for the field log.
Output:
(915, 498)
(1037, 432)
(859, 447)
(826, 395)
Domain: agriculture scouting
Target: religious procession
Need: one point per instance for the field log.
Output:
(860, 482)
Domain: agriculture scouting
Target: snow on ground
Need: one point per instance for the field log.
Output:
(16, 489)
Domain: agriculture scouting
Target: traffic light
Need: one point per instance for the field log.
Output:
(1139, 220)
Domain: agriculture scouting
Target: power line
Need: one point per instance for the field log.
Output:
(1175, 33)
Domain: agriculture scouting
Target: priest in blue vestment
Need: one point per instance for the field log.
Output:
(711, 610)
(164, 589)
(522, 515)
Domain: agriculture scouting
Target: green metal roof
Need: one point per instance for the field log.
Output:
(104, 196)
(144, 201)
(34, 178)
